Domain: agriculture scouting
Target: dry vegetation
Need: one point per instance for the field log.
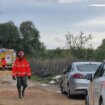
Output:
(50, 66)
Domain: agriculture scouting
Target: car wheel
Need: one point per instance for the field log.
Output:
(62, 88)
(86, 99)
(68, 92)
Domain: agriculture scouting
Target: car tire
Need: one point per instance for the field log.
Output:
(68, 91)
(87, 99)
(62, 88)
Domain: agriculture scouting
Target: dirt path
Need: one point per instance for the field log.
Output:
(36, 93)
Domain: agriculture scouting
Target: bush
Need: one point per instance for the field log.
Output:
(45, 67)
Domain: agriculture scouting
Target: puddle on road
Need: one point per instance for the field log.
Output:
(6, 82)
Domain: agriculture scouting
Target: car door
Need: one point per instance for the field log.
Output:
(66, 76)
(98, 78)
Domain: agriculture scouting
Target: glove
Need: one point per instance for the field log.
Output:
(29, 77)
(14, 78)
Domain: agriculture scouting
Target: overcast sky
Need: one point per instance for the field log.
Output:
(55, 18)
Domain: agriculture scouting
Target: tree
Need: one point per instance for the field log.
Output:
(9, 35)
(78, 41)
(26, 37)
(100, 51)
(102, 46)
(89, 54)
(30, 38)
(76, 44)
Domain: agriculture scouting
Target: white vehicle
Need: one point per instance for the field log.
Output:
(98, 86)
(9, 55)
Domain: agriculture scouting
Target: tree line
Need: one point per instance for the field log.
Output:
(27, 37)
(77, 45)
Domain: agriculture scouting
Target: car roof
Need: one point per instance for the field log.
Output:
(91, 62)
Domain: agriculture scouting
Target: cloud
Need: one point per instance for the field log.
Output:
(91, 25)
(97, 5)
(1, 12)
(45, 0)
(0, 9)
(54, 41)
(68, 1)
(59, 1)
(60, 39)
(97, 39)
(95, 22)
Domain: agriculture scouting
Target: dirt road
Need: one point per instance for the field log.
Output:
(36, 93)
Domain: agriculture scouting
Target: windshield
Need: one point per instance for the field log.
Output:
(88, 67)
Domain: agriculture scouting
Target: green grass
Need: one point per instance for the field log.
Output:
(40, 79)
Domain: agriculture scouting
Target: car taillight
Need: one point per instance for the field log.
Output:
(78, 76)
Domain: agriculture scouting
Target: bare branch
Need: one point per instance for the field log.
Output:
(78, 41)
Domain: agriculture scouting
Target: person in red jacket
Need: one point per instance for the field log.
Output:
(20, 72)
(3, 63)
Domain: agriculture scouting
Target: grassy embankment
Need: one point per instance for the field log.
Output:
(42, 79)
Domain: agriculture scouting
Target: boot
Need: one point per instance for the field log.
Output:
(19, 93)
(23, 91)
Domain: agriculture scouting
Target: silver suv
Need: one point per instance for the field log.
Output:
(73, 79)
(98, 86)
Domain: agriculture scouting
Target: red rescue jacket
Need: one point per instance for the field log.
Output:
(3, 62)
(21, 68)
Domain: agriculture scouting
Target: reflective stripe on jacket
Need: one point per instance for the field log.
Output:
(21, 68)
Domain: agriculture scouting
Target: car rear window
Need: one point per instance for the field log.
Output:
(88, 67)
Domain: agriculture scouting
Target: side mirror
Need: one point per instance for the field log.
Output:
(64, 71)
(89, 77)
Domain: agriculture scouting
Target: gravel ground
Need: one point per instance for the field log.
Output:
(36, 93)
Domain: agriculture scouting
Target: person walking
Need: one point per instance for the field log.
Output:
(3, 63)
(20, 72)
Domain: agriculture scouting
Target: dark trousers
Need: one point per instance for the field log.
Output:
(21, 81)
